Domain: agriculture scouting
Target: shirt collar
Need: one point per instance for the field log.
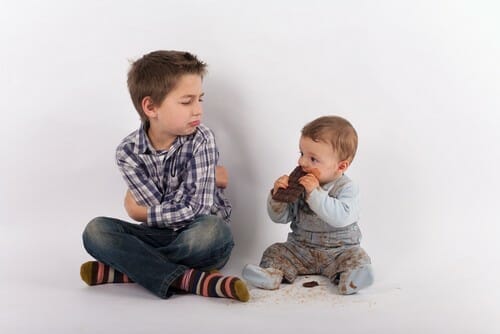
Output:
(144, 145)
(328, 186)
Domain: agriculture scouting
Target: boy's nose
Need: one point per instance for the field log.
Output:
(197, 110)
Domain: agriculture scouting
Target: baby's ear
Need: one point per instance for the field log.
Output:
(343, 165)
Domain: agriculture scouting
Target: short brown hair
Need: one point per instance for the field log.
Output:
(335, 130)
(156, 74)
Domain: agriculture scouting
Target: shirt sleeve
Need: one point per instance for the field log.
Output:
(277, 211)
(144, 190)
(195, 194)
(339, 210)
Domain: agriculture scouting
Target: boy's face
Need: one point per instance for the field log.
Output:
(180, 112)
(318, 157)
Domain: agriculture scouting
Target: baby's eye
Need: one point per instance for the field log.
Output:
(314, 160)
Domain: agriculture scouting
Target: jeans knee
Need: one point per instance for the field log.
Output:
(211, 232)
(93, 228)
(93, 234)
(207, 243)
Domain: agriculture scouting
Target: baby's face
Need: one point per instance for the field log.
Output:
(318, 157)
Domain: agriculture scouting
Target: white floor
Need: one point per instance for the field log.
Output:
(41, 292)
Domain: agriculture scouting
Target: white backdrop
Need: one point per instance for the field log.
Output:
(418, 80)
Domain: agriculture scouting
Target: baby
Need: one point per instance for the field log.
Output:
(325, 237)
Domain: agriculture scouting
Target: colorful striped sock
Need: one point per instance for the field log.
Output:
(213, 284)
(93, 273)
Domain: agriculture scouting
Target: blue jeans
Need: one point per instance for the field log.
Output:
(154, 257)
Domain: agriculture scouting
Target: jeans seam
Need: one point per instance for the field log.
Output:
(179, 271)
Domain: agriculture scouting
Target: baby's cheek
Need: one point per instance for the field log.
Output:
(315, 172)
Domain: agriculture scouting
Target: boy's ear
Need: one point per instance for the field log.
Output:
(148, 106)
(343, 165)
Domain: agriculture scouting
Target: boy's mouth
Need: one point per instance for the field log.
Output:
(194, 123)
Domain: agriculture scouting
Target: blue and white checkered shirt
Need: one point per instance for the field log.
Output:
(176, 185)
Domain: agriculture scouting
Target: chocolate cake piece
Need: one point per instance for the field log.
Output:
(310, 284)
(294, 190)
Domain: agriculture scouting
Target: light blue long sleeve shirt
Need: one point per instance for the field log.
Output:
(336, 203)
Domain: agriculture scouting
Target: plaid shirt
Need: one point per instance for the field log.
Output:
(176, 185)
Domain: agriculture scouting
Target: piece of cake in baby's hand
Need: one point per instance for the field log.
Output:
(294, 189)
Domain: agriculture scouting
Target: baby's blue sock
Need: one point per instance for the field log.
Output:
(354, 280)
(264, 278)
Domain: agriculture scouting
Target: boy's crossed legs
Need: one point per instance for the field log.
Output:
(162, 260)
(347, 267)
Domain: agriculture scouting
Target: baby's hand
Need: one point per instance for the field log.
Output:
(310, 182)
(281, 182)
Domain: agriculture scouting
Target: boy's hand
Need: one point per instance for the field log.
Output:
(310, 182)
(135, 211)
(221, 177)
(281, 182)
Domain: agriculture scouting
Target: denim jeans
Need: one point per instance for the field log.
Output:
(154, 257)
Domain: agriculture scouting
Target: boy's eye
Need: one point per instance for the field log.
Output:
(314, 160)
(190, 101)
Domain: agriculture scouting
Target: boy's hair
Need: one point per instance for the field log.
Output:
(157, 73)
(337, 131)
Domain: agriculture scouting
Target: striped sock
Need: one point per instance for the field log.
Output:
(213, 284)
(93, 272)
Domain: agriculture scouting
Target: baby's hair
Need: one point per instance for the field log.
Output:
(335, 130)
(156, 74)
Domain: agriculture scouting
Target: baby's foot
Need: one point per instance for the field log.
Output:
(264, 278)
(354, 280)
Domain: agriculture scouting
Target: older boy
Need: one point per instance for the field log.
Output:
(169, 165)
(325, 234)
